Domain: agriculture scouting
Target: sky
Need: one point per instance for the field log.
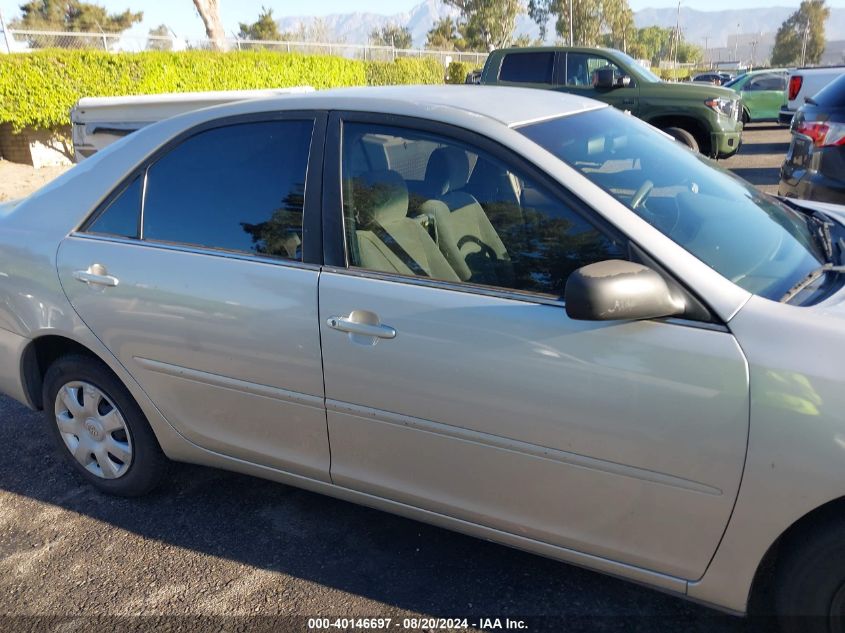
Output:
(181, 16)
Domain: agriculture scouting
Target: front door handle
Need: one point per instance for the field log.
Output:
(362, 326)
(96, 275)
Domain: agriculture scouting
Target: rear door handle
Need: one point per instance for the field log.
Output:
(96, 275)
(363, 324)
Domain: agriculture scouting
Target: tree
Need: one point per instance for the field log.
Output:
(800, 39)
(264, 28)
(589, 21)
(487, 24)
(445, 36)
(392, 35)
(71, 15)
(155, 41)
(209, 11)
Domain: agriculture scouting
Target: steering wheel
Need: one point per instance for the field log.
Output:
(641, 194)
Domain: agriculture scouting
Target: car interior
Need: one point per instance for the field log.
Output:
(418, 205)
(415, 207)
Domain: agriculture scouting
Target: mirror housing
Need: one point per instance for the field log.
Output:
(616, 290)
(605, 79)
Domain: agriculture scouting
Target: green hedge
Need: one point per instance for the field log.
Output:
(38, 89)
(457, 72)
(404, 70)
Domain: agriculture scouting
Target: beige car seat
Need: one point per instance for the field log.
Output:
(387, 239)
(465, 235)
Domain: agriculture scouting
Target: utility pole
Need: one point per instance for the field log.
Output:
(736, 44)
(677, 35)
(5, 33)
(707, 51)
(804, 40)
(571, 17)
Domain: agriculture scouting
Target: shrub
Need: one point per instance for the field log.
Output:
(404, 70)
(38, 89)
(457, 72)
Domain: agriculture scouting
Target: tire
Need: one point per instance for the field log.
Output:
(810, 581)
(97, 412)
(746, 118)
(682, 136)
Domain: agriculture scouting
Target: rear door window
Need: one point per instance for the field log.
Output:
(237, 188)
(833, 94)
(533, 68)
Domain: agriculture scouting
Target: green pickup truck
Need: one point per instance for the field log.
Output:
(704, 117)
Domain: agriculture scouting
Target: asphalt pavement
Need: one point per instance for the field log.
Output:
(759, 159)
(218, 551)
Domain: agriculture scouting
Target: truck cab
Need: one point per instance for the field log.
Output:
(704, 117)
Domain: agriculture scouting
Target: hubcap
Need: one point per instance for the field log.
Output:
(93, 429)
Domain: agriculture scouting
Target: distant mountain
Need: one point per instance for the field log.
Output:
(718, 27)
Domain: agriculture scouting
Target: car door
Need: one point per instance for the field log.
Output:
(764, 95)
(478, 398)
(577, 75)
(198, 275)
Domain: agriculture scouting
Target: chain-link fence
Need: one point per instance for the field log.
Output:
(16, 41)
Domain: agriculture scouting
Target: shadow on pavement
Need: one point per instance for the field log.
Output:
(758, 175)
(396, 562)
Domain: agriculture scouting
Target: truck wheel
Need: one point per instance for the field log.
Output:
(810, 581)
(682, 136)
(99, 430)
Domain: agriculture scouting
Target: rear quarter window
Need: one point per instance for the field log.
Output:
(533, 68)
(833, 94)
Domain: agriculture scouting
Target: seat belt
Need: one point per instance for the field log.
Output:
(397, 250)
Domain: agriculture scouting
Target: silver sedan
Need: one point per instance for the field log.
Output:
(517, 314)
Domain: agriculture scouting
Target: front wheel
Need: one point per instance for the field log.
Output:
(810, 577)
(99, 429)
(682, 136)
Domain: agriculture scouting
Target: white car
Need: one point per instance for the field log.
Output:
(518, 314)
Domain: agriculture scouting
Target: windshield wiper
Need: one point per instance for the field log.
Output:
(810, 279)
(819, 229)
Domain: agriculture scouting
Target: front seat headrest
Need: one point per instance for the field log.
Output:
(447, 170)
(380, 196)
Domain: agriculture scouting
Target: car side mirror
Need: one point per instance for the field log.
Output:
(605, 79)
(616, 290)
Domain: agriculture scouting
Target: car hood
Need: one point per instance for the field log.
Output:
(836, 211)
(7, 207)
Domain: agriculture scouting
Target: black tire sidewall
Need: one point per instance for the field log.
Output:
(684, 137)
(808, 576)
(148, 462)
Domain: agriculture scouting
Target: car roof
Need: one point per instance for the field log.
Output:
(506, 105)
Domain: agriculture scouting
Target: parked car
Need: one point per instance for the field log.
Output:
(705, 118)
(523, 315)
(99, 121)
(708, 78)
(814, 168)
(763, 93)
(473, 77)
(805, 82)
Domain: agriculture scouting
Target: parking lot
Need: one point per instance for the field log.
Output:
(219, 551)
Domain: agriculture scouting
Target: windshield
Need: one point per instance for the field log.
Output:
(642, 72)
(733, 82)
(752, 239)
